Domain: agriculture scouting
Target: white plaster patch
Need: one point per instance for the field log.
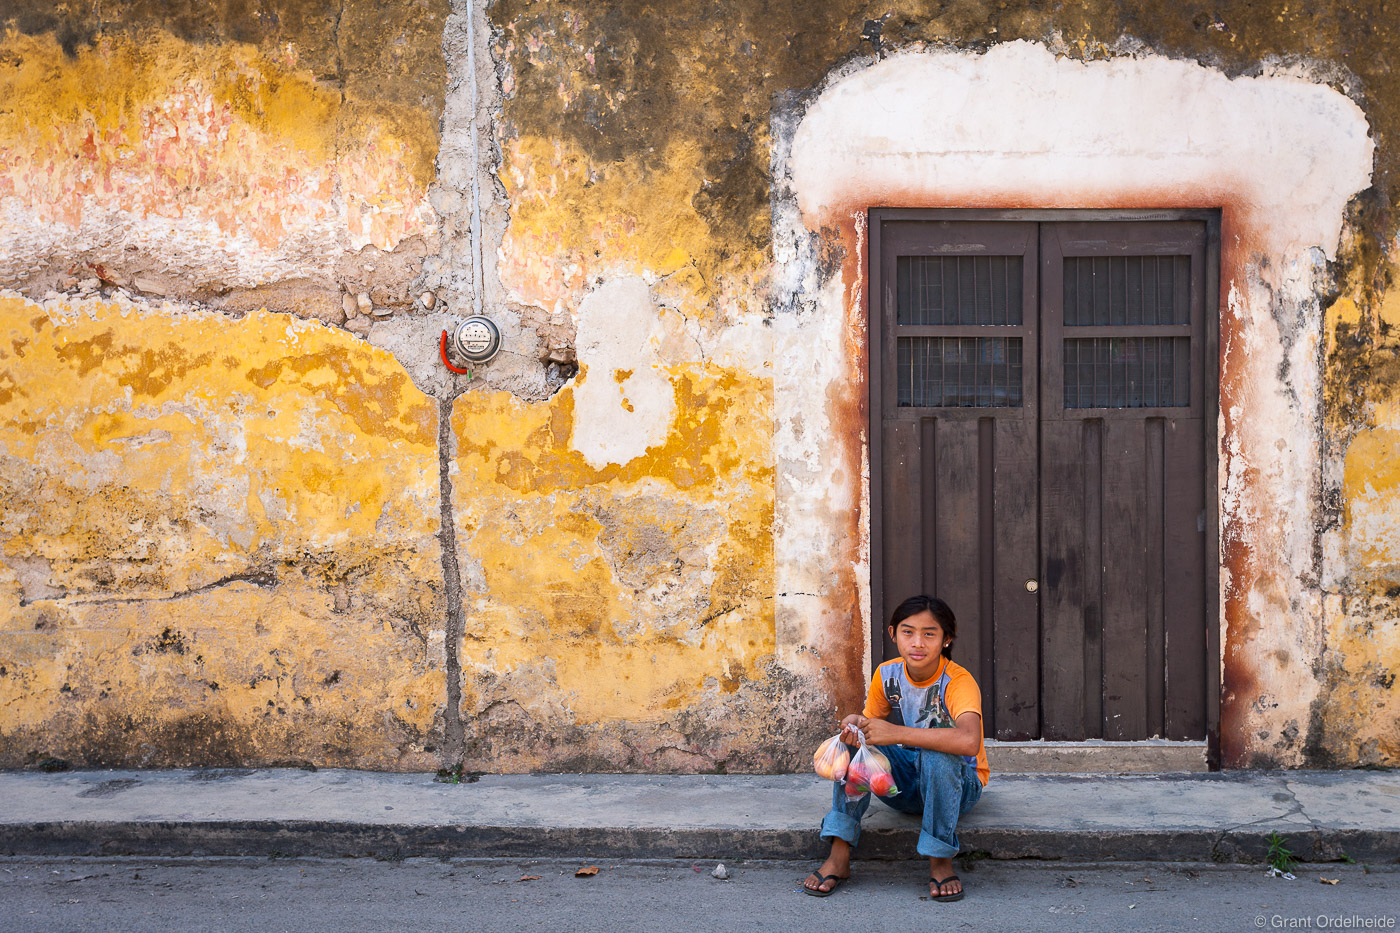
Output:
(1375, 521)
(1018, 122)
(1280, 154)
(623, 400)
(813, 497)
(35, 577)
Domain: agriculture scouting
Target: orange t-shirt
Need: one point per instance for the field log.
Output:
(919, 702)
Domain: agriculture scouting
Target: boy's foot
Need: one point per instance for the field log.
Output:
(832, 872)
(819, 885)
(943, 884)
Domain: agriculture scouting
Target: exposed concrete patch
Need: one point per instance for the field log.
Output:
(623, 401)
(1154, 756)
(472, 208)
(1281, 153)
(317, 299)
(34, 574)
(522, 722)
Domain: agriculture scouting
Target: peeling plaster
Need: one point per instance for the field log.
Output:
(229, 176)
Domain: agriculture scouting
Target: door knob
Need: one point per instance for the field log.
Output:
(1032, 586)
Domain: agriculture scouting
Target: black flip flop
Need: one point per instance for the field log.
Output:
(945, 898)
(821, 880)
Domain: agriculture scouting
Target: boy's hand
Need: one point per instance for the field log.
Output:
(849, 725)
(880, 732)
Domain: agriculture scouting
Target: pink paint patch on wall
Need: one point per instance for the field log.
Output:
(229, 165)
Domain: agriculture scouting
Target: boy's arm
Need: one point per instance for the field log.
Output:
(964, 738)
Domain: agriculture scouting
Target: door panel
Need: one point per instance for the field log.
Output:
(1041, 454)
(1185, 550)
(1007, 469)
(954, 547)
(1071, 579)
(1124, 598)
(1127, 572)
(904, 468)
(958, 447)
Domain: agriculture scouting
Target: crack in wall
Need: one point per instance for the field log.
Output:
(715, 615)
(339, 61)
(260, 579)
(454, 728)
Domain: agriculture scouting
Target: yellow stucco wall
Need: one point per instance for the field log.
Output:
(608, 605)
(1361, 711)
(218, 542)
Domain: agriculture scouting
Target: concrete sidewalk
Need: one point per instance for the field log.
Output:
(1179, 817)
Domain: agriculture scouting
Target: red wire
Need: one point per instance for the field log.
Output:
(442, 348)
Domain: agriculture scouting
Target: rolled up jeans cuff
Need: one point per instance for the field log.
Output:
(841, 826)
(933, 847)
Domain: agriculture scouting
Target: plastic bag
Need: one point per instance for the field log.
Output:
(869, 771)
(831, 758)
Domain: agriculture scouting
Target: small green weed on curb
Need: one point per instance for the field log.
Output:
(457, 776)
(1280, 858)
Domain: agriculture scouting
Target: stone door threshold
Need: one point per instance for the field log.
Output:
(1096, 756)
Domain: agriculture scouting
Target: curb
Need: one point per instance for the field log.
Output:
(314, 838)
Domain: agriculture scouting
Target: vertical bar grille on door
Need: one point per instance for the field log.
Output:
(948, 290)
(1127, 372)
(958, 372)
(1127, 290)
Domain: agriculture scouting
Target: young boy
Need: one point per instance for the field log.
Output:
(925, 713)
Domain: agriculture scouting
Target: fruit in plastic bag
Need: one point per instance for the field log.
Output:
(832, 758)
(857, 776)
(869, 771)
(882, 784)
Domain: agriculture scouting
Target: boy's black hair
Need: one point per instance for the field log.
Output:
(934, 606)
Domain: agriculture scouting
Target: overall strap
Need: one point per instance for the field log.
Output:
(942, 687)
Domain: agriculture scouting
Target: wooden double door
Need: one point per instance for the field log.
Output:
(1042, 409)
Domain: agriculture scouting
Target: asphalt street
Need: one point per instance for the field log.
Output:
(116, 895)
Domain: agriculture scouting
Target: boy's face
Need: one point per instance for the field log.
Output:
(920, 640)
